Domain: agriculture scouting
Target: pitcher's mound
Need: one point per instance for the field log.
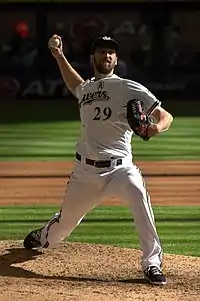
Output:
(80, 272)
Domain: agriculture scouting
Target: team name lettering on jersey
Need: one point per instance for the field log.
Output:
(89, 98)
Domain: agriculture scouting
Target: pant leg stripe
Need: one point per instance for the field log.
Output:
(53, 221)
(152, 215)
(147, 195)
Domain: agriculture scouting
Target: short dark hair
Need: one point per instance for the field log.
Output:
(105, 42)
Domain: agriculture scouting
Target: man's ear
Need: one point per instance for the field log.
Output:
(116, 62)
(91, 59)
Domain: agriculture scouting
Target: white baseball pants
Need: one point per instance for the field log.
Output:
(86, 188)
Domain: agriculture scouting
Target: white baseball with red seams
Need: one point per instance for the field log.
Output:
(106, 135)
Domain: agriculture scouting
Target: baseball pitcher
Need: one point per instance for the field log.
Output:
(112, 110)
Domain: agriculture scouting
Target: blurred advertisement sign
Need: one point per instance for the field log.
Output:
(22, 59)
(9, 88)
(12, 89)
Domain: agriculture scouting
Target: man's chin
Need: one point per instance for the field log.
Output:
(104, 71)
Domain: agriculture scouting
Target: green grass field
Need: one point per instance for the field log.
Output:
(178, 226)
(57, 141)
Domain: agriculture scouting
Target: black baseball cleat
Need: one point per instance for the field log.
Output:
(32, 240)
(155, 276)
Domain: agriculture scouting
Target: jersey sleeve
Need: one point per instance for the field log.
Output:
(78, 91)
(134, 90)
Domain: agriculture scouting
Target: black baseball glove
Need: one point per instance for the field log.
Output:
(138, 120)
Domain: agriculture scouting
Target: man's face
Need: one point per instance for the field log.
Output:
(104, 60)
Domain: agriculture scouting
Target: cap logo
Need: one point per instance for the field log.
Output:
(106, 38)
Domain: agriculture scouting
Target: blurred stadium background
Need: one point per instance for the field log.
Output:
(160, 45)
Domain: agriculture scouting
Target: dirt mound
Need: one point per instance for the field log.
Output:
(80, 272)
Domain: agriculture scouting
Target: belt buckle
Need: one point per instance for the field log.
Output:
(113, 162)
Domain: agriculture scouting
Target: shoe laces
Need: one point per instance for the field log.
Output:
(154, 270)
(37, 235)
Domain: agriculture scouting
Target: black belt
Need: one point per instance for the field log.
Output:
(99, 164)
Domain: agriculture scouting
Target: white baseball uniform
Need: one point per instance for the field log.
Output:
(106, 137)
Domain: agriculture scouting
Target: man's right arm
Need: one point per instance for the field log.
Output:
(71, 78)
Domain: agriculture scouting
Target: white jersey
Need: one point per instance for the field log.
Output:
(105, 132)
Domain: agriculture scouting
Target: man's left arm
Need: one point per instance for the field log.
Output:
(141, 105)
(163, 121)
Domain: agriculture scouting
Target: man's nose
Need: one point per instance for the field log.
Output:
(107, 55)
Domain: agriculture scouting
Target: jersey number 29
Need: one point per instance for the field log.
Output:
(103, 114)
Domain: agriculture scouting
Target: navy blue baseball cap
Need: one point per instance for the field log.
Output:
(105, 42)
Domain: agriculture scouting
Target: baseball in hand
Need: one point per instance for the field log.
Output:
(54, 42)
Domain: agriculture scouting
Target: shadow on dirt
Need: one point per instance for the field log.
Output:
(17, 255)
(20, 255)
